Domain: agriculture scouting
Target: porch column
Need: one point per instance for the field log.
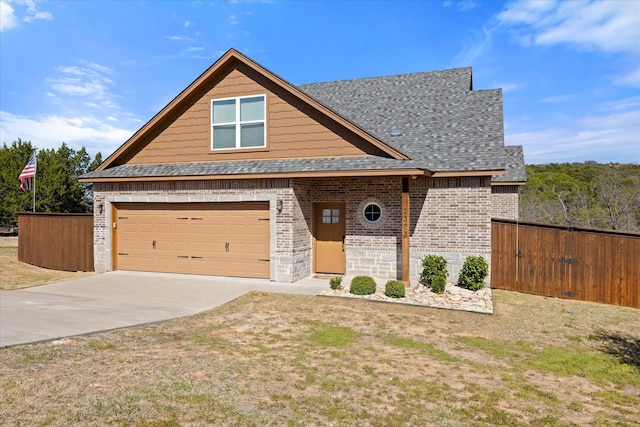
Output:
(406, 231)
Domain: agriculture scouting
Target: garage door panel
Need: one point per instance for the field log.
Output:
(203, 238)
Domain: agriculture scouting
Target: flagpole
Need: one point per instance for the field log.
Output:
(34, 178)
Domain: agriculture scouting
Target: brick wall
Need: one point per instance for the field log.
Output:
(449, 216)
(505, 201)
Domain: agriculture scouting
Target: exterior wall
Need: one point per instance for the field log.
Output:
(293, 130)
(271, 190)
(505, 201)
(450, 217)
(370, 249)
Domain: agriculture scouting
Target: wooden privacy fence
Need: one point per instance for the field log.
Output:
(60, 241)
(558, 261)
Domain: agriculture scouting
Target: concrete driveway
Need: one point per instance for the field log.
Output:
(120, 299)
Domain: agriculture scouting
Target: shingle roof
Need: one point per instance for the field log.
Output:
(445, 127)
(514, 165)
(359, 163)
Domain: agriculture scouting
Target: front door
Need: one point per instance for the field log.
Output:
(330, 235)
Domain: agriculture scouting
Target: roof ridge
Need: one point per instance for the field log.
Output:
(417, 73)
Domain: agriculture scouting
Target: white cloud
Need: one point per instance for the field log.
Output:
(10, 17)
(7, 18)
(611, 136)
(471, 51)
(629, 78)
(608, 26)
(49, 131)
(89, 82)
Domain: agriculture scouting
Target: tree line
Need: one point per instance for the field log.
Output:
(57, 188)
(589, 194)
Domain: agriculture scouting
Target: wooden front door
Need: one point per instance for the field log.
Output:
(330, 234)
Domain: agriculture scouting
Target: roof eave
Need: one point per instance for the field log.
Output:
(311, 174)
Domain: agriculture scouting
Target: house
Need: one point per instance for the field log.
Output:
(244, 174)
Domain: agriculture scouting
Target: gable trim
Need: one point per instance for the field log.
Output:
(155, 124)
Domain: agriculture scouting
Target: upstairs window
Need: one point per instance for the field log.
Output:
(238, 123)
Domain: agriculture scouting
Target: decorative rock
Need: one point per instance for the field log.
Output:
(454, 298)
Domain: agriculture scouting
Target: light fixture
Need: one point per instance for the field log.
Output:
(101, 207)
(279, 205)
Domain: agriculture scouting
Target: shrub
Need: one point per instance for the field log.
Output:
(438, 284)
(474, 270)
(362, 285)
(434, 272)
(394, 289)
(335, 282)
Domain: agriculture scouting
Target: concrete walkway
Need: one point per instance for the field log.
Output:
(120, 299)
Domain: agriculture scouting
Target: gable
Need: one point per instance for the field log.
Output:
(294, 127)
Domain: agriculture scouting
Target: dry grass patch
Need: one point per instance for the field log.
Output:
(18, 275)
(268, 359)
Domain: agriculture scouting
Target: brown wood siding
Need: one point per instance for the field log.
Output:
(291, 132)
(55, 240)
(583, 264)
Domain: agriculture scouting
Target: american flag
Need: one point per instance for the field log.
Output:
(27, 174)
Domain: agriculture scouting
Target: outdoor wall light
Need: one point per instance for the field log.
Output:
(279, 205)
(101, 207)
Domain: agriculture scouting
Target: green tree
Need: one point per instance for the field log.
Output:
(583, 194)
(57, 187)
(12, 161)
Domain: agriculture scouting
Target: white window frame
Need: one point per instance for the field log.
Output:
(237, 123)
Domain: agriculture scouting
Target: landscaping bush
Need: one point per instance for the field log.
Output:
(434, 272)
(438, 284)
(362, 285)
(335, 282)
(394, 289)
(474, 270)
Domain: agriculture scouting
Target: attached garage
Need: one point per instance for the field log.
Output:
(222, 239)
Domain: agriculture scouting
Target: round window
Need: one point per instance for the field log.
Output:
(372, 213)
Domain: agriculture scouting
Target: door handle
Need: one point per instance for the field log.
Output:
(154, 245)
(343, 237)
(226, 247)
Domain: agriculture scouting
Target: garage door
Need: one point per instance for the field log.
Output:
(222, 239)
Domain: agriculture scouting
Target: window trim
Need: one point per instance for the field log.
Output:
(238, 123)
(364, 212)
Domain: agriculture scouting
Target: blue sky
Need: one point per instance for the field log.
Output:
(90, 73)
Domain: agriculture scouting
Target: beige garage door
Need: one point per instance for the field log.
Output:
(222, 239)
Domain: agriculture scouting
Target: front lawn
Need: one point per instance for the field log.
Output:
(287, 360)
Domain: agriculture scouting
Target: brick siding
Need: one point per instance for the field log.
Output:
(449, 216)
(505, 201)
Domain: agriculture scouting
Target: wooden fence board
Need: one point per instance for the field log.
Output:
(60, 241)
(564, 262)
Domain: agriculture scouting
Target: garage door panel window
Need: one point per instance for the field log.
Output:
(238, 123)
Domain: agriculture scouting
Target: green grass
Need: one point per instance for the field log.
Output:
(423, 347)
(331, 335)
(571, 361)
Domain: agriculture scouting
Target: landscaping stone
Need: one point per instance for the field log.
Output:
(453, 298)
